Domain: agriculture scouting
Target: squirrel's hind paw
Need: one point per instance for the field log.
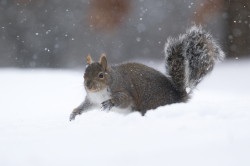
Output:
(108, 104)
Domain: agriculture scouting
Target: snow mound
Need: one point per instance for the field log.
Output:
(213, 128)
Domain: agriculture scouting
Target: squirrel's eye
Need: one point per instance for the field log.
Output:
(100, 75)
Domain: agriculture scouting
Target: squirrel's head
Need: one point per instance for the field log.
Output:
(96, 76)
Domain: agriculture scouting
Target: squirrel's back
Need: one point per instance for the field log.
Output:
(148, 87)
(189, 59)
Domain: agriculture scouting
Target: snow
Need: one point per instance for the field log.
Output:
(213, 128)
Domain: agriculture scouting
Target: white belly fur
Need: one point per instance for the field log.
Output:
(98, 97)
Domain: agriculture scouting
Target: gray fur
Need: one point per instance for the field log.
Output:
(141, 87)
(83, 107)
(190, 57)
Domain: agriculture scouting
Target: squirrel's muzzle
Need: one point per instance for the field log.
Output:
(88, 84)
(91, 86)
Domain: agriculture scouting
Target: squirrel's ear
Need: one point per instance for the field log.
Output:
(103, 62)
(89, 60)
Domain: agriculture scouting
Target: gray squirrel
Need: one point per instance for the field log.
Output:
(137, 87)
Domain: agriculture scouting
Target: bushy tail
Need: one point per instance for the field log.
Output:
(190, 57)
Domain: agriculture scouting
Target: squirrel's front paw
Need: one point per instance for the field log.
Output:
(73, 114)
(108, 104)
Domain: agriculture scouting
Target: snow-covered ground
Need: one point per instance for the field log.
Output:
(212, 129)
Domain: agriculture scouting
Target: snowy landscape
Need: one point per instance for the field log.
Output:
(43, 48)
(212, 129)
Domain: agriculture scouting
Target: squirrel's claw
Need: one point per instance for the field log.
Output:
(108, 104)
(73, 114)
